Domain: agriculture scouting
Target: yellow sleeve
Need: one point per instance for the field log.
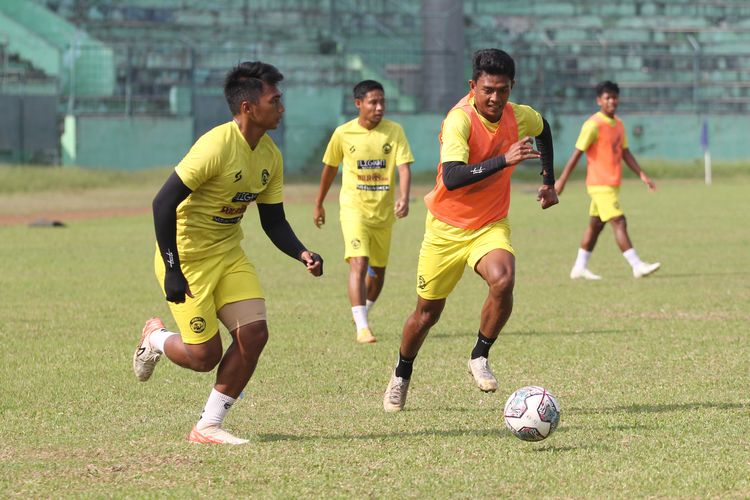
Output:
(274, 192)
(403, 150)
(456, 130)
(529, 121)
(624, 138)
(334, 154)
(589, 134)
(201, 163)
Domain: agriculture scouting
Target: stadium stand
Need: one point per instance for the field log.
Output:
(168, 58)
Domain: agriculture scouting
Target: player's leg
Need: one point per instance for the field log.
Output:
(493, 259)
(380, 248)
(198, 345)
(639, 267)
(242, 310)
(356, 253)
(590, 237)
(440, 267)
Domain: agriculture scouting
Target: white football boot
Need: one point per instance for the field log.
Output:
(213, 434)
(483, 376)
(644, 269)
(583, 273)
(394, 398)
(146, 357)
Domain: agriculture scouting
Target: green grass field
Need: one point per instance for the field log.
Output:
(652, 375)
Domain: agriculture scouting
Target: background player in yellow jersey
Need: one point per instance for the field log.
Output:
(482, 139)
(371, 149)
(199, 263)
(605, 143)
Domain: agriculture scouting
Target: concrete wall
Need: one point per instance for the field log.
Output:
(128, 143)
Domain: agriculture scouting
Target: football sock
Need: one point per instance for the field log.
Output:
(632, 258)
(482, 347)
(404, 366)
(582, 260)
(369, 304)
(216, 409)
(359, 313)
(158, 338)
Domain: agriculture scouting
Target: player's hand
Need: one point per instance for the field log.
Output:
(520, 151)
(402, 208)
(559, 186)
(176, 286)
(547, 196)
(319, 216)
(646, 179)
(313, 262)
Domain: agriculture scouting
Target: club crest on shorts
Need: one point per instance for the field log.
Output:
(421, 283)
(198, 324)
(356, 243)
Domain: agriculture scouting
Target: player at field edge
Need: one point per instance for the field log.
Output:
(371, 149)
(483, 137)
(605, 143)
(199, 263)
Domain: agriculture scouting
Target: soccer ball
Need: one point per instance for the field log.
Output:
(531, 413)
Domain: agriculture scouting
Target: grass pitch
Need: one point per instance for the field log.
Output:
(651, 374)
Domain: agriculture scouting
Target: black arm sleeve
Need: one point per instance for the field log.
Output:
(544, 145)
(457, 174)
(164, 207)
(277, 228)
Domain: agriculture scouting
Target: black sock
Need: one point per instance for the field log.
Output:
(404, 366)
(482, 347)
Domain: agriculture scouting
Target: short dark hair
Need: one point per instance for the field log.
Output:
(245, 82)
(365, 86)
(608, 87)
(493, 62)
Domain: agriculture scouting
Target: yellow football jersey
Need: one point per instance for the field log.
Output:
(370, 158)
(590, 133)
(225, 176)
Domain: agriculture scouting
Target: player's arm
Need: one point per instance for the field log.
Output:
(277, 228)
(567, 170)
(404, 185)
(632, 163)
(547, 195)
(326, 179)
(164, 206)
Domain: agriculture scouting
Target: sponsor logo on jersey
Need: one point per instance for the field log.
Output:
(368, 187)
(234, 210)
(244, 197)
(222, 220)
(264, 176)
(237, 176)
(198, 324)
(352, 149)
(372, 178)
(370, 163)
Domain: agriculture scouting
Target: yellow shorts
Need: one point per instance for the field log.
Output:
(361, 240)
(605, 202)
(214, 282)
(446, 250)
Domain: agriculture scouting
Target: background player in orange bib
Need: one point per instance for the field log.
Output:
(372, 149)
(605, 143)
(482, 139)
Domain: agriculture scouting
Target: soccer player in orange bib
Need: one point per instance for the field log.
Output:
(371, 149)
(199, 263)
(482, 139)
(605, 143)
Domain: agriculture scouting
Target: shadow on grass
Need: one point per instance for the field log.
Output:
(659, 408)
(538, 333)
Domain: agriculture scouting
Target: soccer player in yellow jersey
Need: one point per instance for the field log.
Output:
(200, 266)
(482, 139)
(605, 143)
(371, 149)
